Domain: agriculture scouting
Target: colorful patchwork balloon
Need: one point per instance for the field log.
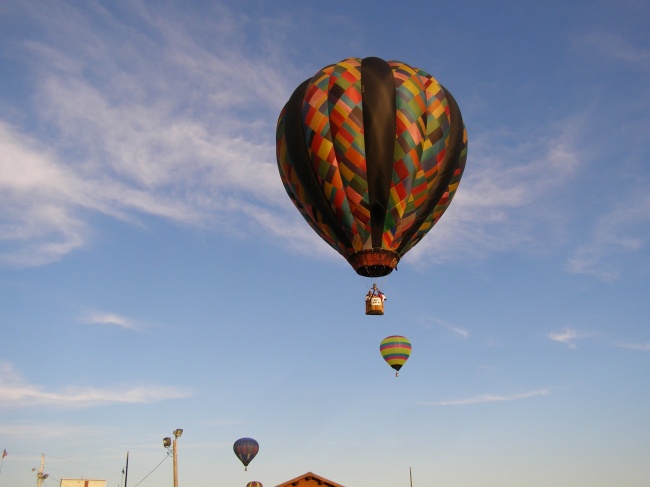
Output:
(371, 153)
(396, 350)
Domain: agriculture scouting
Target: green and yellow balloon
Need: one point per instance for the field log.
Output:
(396, 350)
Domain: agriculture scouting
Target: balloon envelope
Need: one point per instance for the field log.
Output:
(396, 350)
(254, 483)
(246, 449)
(371, 153)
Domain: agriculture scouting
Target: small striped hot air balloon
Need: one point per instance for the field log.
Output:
(396, 350)
(254, 483)
(246, 449)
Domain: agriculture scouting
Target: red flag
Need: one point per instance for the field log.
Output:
(4, 453)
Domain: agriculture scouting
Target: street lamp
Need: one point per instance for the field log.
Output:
(167, 441)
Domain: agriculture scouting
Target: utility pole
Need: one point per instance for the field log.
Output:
(167, 442)
(175, 462)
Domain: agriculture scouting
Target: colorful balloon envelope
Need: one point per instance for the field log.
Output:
(371, 153)
(254, 483)
(246, 449)
(396, 350)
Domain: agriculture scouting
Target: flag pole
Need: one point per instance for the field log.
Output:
(4, 454)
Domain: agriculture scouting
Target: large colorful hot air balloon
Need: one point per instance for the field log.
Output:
(371, 153)
(396, 350)
(254, 483)
(246, 449)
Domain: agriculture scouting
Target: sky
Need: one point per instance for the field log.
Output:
(154, 275)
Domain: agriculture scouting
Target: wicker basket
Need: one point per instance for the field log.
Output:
(375, 306)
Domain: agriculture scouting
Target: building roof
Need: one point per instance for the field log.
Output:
(309, 479)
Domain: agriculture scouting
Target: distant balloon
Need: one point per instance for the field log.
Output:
(254, 483)
(246, 449)
(396, 350)
(371, 153)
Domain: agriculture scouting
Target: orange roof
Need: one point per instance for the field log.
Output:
(309, 479)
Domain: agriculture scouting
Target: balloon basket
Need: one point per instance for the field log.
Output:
(375, 306)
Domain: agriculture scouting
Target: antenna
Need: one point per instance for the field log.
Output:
(40, 476)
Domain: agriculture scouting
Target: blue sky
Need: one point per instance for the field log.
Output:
(154, 274)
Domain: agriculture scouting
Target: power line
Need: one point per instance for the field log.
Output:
(166, 457)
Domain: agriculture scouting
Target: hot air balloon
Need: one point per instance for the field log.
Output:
(371, 153)
(246, 449)
(396, 350)
(254, 483)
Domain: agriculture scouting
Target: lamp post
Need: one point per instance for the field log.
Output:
(167, 442)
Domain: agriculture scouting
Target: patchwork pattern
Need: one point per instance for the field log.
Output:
(425, 174)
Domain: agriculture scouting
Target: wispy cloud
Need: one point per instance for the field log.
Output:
(111, 319)
(520, 191)
(621, 231)
(131, 138)
(497, 207)
(123, 136)
(614, 47)
(224, 422)
(188, 138)
(485, 398)
(16, 392)
(568, 337)
(644, 347)
(453, 328)
(31, 430)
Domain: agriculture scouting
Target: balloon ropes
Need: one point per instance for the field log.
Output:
(371, 153)
(395, 350)
(246, 449)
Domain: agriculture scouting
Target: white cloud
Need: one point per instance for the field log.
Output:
(644, 347)
(36, 217)
(522, 193)
(485, 398)
(102, 318)
(189, 137)
(35, 431)
(16, 392)
(223, 422)
(503, 202)
(453, 328)
(182, 128)
(568, 337)
(613, 47)
(621, 231)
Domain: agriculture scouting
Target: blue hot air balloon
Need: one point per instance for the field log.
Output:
(246, 449)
